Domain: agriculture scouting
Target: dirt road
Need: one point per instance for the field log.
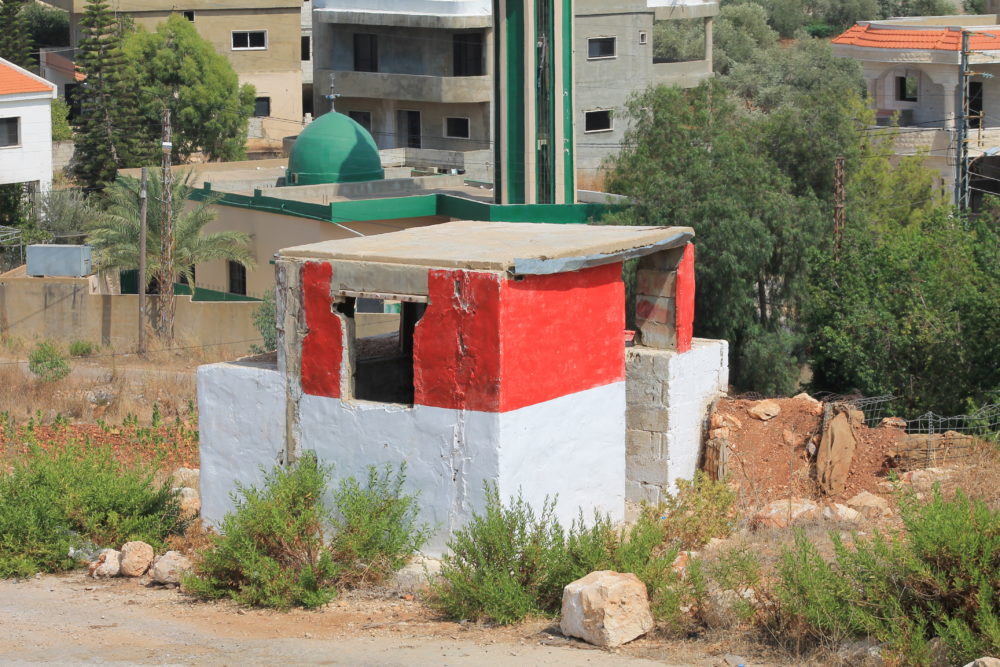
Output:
(71, 619)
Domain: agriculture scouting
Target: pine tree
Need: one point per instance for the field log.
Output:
(15, 41)
(106, 140)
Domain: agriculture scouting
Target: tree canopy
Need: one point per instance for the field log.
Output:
(175, 68)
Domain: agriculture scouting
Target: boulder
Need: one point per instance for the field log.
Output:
(892, 422)
(869, 505)
(167, 569)
(188, 477)
(416, 576)
(764, 410)
(719, 433)
(815, 407)
(984, 662)
(838, 512)
(108, 564)
(836, 453)
(781, 513)
(721, 608)
(190, 500)
(606, 608)
(860, 653)
(136, 559)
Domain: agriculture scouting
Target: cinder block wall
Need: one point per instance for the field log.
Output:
(668, 395)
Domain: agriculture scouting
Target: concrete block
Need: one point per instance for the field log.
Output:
(637, 492)
(380, 278)
(661, 336)
(658, 309)
(665, 260)
(656, 283)
(642, 444)
(647, 470)
(643, 391)
(646, 419)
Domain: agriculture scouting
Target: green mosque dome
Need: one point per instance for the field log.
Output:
(334, 149)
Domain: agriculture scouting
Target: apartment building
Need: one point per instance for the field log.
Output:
(261, 39)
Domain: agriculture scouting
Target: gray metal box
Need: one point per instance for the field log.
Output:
(59, 260)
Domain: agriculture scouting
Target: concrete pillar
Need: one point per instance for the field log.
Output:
(709, 40)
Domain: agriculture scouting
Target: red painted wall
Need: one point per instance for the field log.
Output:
(492, 344)
(322, 346)
(563, 333)
(456, 345)
(685, 299)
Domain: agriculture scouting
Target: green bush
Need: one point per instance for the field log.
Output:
(81, 348)
(273, 550)
(265, 323)
(938, 580)
(700, 510)
(47, 362)
(375, 526)
(509, 562)
(50, 502)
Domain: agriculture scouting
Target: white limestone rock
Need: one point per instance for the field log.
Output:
(136, 558)
(108, 564)
(168, 568)
(606, 608)
(765, 410)
(870, 505)
(417, 575)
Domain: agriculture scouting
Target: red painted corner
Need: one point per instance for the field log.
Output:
(323, 344)
(685, 299)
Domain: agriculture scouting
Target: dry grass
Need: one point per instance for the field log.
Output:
(195, 539)
(979, 478)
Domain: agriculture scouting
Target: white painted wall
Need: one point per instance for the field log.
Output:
(572, 447)
(241, 420)
(32, 159)
(695, 379)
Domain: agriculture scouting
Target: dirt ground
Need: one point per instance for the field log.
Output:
(71, 619)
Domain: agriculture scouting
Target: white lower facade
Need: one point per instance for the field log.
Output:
(30, 159)
(572, 447)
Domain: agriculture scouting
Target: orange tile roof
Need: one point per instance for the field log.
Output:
(936, 39)
(14, 81)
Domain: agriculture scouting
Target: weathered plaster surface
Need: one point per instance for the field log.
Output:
(242, 428)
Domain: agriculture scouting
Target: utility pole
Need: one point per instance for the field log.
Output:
(962, 129)
(839, 204)
(143, 206)
(166, 324)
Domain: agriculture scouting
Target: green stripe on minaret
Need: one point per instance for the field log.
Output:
(569, 175)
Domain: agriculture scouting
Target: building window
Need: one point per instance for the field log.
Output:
(262, 107)
(906, 88)
(237, 278)
(365, 52)
(467, 50)
(10, 132)
(456, 128)
(598, 121)
(643, 38)
(249, 39)
(189, 15)
(383, 365)
(306, 47)
(601, 47)
(362, 118)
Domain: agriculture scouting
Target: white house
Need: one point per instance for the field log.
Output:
(25, 127)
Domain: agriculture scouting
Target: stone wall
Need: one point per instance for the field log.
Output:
(668, 395)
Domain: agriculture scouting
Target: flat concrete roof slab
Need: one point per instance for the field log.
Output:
(517, 247)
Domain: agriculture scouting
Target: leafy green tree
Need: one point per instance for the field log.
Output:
(740, 32)
(785, 16)
(15, 210)
(61, 131)
(176, 68)
(15, 42)
(842, 14)
(974, 6)
(106, 140)
(47, 26)
(693, 157)
(63, 215)
(115, 235)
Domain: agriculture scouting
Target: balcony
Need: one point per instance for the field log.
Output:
(406, 87)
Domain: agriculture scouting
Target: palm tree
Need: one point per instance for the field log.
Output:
(114, 234)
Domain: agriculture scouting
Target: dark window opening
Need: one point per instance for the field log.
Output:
(365, 52)
(467, 49)
(975, 104)
(383, 364)
(10, 132)
(189, 15)
(906, 88)
(237, 278)
(362, 118)
(457, 128)
(306, 47)
(408, 127)
(250, 39)
(601, 47)
(262, 107)
(598, 121)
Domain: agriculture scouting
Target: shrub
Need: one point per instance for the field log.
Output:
(266, 324)
(47, 362)
(375, 529)
(700, 510)
(273, 549)
(271, 552)
(81, 348)
(939, 580)
(50, 502)
(511, 562)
